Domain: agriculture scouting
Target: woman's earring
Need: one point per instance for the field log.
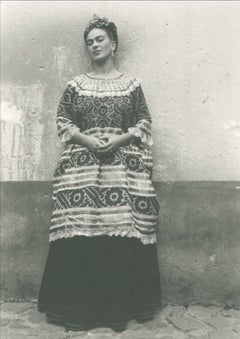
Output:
(113, 53)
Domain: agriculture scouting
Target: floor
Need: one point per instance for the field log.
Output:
(21, 320)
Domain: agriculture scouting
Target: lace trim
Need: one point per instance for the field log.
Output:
(123, 232)
(120, 86)
(142, 130)
(66, 129)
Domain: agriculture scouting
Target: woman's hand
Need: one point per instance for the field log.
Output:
(102, 146)
(93, 143)
(113, 143)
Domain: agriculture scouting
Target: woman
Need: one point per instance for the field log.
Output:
(102, 267)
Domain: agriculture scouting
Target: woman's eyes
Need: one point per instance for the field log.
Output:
(90, 42)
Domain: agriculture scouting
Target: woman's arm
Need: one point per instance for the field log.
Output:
(89, 141)
(141, 129)
(68, 131)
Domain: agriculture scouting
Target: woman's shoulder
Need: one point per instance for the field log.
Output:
(132, 78)
(76, 80)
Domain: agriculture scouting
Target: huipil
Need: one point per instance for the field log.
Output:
(104, 195)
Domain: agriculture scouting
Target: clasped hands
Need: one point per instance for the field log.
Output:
(104, 146)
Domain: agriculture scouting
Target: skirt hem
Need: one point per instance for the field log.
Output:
(144, 316)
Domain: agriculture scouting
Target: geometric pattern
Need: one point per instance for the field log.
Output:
(114, 195)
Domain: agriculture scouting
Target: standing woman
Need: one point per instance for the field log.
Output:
(102, 267)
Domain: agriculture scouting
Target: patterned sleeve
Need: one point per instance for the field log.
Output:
(142, 118)
(65, 122)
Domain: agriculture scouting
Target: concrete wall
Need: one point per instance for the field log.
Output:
(187, 56)
(198, 240)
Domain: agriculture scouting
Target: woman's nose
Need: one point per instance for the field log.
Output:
(95, 44)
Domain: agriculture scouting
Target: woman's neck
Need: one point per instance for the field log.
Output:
(106, 69)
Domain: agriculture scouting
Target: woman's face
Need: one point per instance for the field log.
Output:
(99, 45)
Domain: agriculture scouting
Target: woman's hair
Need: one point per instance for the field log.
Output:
(102, 23)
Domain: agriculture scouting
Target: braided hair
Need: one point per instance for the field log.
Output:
(102, 23)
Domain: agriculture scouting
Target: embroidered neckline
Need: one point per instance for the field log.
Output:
(88, 86)
(106, 79)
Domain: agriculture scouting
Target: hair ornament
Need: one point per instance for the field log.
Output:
(97, 21)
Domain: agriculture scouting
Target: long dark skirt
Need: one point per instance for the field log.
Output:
(104, 281)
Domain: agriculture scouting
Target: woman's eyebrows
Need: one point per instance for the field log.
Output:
(99, 36)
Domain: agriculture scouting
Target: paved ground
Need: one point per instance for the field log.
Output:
(21, 320)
